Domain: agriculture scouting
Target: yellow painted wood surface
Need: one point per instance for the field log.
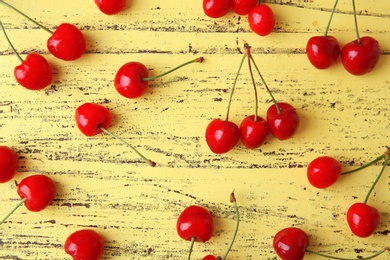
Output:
(103, 185)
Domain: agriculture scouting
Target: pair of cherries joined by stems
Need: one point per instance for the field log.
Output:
(282, 120)
(196, 224)
(362, 218)
(66, 43)
(358, 57)
(261, 18)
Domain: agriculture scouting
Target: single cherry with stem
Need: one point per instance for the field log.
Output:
(132, 79)
(66, 43)
(36, 191)
(261, 19)
(110, 7)
(34, 73)
(9, 163)
(93, 119)
(323, 51)
(243, 7)
(216, 8)
(361, 55)
(84, 244)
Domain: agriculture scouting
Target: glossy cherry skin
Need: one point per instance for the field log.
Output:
(323, 171)
(67, 42)
(291, 243)
(222, 136)
(261, 19)
(359, 59)
(110, 7)
(34, 73)
(216, 8)
(254, 133)
(129, 80)
(39, 191)
(195, 221)
(90, 116)
(363, 219)
(8, 163)
(243, 7)
(283, 125)
(322, 51)
(211, 257)
(85, 244)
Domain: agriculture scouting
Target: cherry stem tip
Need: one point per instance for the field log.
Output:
(14, 209)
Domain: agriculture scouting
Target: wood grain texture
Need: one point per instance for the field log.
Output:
(103, 185)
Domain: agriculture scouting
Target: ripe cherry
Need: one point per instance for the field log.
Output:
(323, 171)
(261, 19)
(211, 257)
(8, 163)
(284, 121)
(322, 51)
(254, 132)
(216, 8)
(110, 7)
(222, 136)
(85, 244)
(291, 243)
(243, 7)
(132, 79)
(362, 219)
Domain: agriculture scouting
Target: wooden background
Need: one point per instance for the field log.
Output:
(103, 185)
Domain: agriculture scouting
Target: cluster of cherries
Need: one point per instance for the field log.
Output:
(282, 120)
(358, 57)
(261, 18)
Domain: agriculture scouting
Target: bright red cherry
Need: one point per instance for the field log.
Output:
(243, 7)
(211, 257)
(261, 19)
(129, 80)
(8, 163)
(323, 171)
(360, 58)
(195, 222)
(322, 51)
(291, 243)
(222, 135)
(284, 123)
(90, 117)
(216, 8)
(362, 219)
(85, 244)
(110, 7)
(254, 133)
(67, 42)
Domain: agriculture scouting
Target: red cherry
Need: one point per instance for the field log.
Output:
(195, 222)
(261, 19)
(243, 7)
(128, 80)
(323, 171)
(34, 73)
(8, 164)
(216, 8)
(254, 133)
(360, 58)
(67, 42)
(84, 244)
(110, 7)
(222, 136)
(90, 117)
(291, 243)
(283, 124)
(211, 257)
(362, 219)
(322, 51)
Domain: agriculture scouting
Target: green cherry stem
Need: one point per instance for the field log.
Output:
(26, 16)
(387, 153)
(356, 24)
(150, 162)
(200, 60)
(10, 43)
(330, 18)
(191, 247)
(377, 179)
(248, 52)
(340, 258)
(234, 201)
(16, 207)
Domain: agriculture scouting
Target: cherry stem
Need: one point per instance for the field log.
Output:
(191, 247)
(356, 25)
(234, 201)
(266, 86)
(26, 16)
(340, 258)
(377, 179)
(367, 164)
(200, 60)
(248, 53)
(233, 88)
(10, 43)
(330, 18)
(150, 162)
(16, 207)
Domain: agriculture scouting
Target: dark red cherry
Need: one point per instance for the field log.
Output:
(216, 8)
(8, 163)
(322, 51)
(129, 80)
(363, 219)
(291, 243)
(254, 133)
(222, 136)
(261, 19)
(283, 124)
